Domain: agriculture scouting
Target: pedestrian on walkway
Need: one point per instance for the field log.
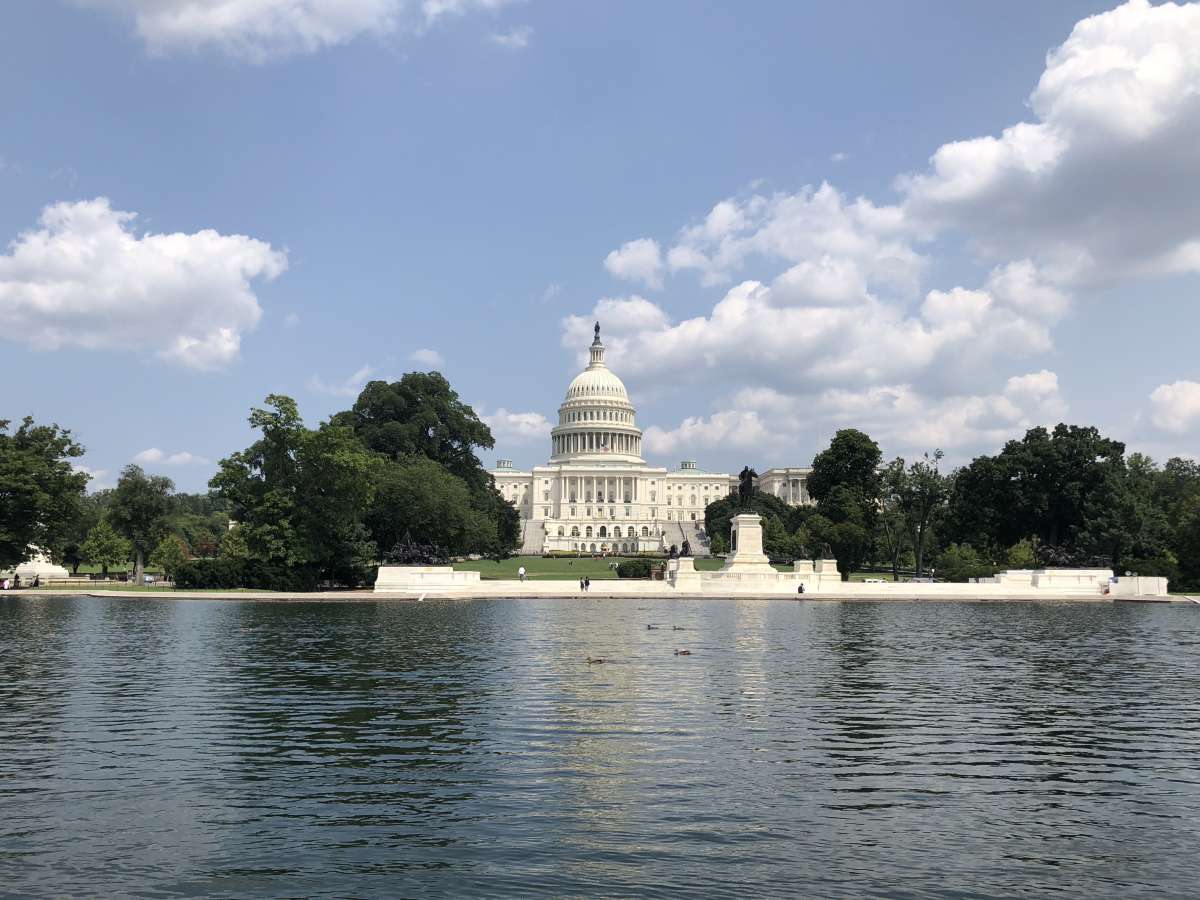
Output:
(521, 572)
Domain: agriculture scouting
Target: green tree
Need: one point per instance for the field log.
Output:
(206, 545)
(1187, 543)
(922, 494)
(420, 499)
(851, 461)
(88, 512)
(842, 523)
(421, 416)
(891, 523)
(233, 544)
(299, 495)
(779, 522)
(170, 554)
(962, 562)
(1064, 487)
(1022, 555)
(40, 490)
(104, 547)
(846, 483)
(139, 508)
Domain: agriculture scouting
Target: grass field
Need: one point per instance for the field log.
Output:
(557, 568)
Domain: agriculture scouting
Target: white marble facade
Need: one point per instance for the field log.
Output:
(597, 493)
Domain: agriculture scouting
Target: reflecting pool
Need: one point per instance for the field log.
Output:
(450, 749)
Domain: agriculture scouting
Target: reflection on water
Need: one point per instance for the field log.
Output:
(468, 749)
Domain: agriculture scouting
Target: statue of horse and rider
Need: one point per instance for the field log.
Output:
(746, 486)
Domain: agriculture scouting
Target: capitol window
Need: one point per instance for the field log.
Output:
(575, 531)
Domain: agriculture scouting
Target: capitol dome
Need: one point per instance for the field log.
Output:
(596, 419)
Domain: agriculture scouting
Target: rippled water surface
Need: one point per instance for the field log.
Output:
(230, 749)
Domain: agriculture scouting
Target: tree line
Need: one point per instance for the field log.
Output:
(328, 503)
(331, 502)
(1066, 496)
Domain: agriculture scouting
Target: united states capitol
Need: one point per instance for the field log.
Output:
(597, 494)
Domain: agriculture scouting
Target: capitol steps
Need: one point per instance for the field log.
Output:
(693, 534)
(533, 538)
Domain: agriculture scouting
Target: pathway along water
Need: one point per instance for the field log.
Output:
(230, 749)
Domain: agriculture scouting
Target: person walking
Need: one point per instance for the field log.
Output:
(587, 583)
(581, 587)
(521, 573)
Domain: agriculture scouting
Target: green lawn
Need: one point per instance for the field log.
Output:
(541, 568)
(558, 568)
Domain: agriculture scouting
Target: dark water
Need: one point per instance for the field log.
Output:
(231, 749)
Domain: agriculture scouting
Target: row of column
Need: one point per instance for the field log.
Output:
(592, 441)
(588, 488)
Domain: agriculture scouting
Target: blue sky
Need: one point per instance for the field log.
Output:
(942, 223)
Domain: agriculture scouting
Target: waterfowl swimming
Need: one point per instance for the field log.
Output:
(652, 628)
(683, 652)
(592, 660)
(678, 628)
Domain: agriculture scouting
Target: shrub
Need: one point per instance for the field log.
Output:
(634, 568)
(962, 562)
(228, 574)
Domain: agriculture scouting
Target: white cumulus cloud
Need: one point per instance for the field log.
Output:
(517, 427)
(350, 387)
(153, 456)
(813, 224)
(1176, 407)
(426, 357)
(86, 278)
(261, 30)
(1105, 182)
(513, 39)
(639, 260)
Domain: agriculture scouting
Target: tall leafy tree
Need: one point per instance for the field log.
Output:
(138, 511)
(891, 522)
(922, 495)
(170, 554)
(422, 417)
(40, 490)
(88, 511)
(852, 461)
(299, 495)
(846, 483)
(420, 499)
(104, 547)
(1062, 486)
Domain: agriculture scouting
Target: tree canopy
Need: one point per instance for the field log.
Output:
(40, 491)
(334, 499)
(138, 511)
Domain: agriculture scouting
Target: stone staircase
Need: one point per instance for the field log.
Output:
(533, 538)
(677, 532)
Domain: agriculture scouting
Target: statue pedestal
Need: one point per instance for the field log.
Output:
(828, 567)
(683, 575)
(747, 557)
